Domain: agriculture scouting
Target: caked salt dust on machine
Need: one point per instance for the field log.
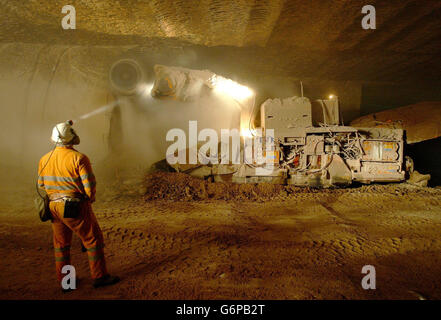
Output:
(312, 147)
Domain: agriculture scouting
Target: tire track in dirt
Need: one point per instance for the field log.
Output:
(307, 245)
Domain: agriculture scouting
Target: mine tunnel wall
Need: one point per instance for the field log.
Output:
(41, 85)
(427, 158)
(382, 96)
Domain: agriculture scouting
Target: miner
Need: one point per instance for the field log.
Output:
(67, 177)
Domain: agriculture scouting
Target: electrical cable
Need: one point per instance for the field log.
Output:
(39, 174)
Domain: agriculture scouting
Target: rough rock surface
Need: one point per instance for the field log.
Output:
(306, 38)
(311, 245)
(182, 187)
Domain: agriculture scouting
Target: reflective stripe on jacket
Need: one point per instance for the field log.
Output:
(68, 171)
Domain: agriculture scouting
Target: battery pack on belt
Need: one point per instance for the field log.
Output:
(72, 208)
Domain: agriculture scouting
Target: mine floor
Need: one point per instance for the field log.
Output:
(307, 246)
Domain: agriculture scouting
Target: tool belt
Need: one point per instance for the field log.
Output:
(63, 197)
(72, 203)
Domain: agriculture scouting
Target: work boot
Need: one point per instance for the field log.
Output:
(107, 280)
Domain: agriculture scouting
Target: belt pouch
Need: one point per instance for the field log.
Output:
(72, 208)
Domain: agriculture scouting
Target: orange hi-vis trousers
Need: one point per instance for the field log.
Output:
(87, 228)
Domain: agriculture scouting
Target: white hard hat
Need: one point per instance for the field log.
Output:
(63, 133)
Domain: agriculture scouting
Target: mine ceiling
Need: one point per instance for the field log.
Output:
(314, 38)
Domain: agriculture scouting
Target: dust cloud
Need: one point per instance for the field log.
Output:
(122, 135)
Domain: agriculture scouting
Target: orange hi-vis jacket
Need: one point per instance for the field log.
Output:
(67, 172)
